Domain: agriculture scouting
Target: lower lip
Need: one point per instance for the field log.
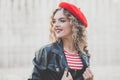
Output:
(58, 31)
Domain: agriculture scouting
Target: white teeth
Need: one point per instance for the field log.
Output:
(58, 30)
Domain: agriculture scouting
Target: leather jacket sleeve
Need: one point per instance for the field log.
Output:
(40, 64)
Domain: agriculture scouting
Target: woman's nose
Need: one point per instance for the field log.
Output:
(57, 24)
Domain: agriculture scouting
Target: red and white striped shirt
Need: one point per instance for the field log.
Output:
(73, 60)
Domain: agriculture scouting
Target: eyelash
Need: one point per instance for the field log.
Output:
(60, 21)
(53, 22)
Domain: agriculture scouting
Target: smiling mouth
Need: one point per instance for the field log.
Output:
(58, 30)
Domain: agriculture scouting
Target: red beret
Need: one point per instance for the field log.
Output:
(75, 11)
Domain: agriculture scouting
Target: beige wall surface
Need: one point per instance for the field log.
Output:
(24, 28)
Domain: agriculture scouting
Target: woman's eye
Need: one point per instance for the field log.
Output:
(62, 20)
(53, 22)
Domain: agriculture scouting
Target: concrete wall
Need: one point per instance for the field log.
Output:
(24, 27)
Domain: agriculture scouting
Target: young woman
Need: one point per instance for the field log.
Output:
(67, 57)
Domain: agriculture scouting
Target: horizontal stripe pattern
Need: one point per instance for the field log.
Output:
(73, 60)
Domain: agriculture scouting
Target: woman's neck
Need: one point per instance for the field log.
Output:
(68, 45)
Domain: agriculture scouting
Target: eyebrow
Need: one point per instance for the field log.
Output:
(59, 18)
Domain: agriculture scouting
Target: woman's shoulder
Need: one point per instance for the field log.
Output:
(43, 50)
(54, 47)
(48, 46)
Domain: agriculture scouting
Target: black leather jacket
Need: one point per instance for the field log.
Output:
(50, 63)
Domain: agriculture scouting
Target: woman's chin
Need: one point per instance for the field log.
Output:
(58, 36)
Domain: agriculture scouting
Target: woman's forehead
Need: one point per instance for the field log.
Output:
(59, 15)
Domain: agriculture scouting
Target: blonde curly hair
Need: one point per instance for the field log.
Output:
(79, 32)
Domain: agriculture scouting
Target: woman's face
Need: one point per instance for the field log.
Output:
(61, 25)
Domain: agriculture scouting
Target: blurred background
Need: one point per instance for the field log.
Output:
(24, 28)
